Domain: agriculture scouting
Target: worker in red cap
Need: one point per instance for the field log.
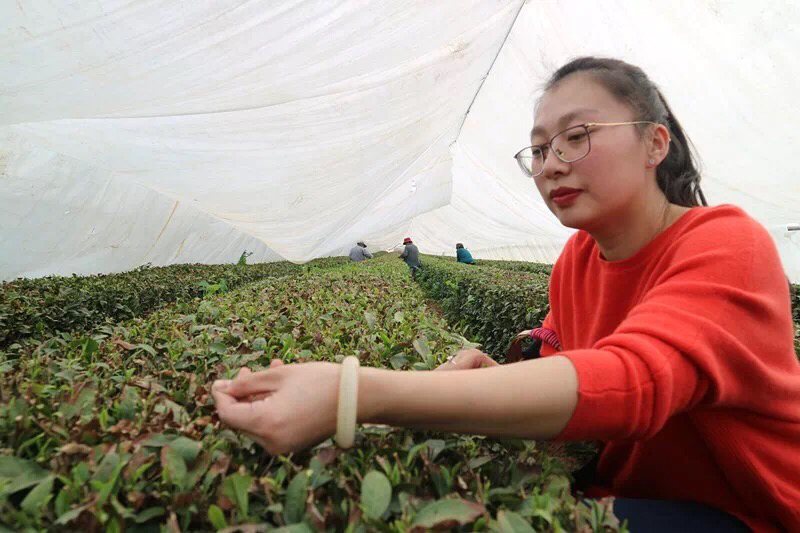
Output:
(411, 256)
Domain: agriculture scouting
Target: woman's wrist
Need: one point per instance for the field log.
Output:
(374, 390)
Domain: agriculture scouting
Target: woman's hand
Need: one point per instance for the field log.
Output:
(467, 359)
(285, 408)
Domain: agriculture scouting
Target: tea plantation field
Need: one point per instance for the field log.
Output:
(107, 424)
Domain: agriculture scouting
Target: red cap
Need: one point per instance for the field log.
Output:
(407, 240)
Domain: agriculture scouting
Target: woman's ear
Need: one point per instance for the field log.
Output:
(659, 146)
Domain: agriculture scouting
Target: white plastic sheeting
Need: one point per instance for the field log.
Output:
(169, 131)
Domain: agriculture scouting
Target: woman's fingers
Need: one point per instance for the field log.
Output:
(249, 383)
(242, 415)
(244, 371)
(260, 395)
(472, 360)
(236, 413)
(487, 361)
(447, 365)
(459, 361)
(468, 359)
(227, 407)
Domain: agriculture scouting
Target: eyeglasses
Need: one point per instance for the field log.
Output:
(569, 145)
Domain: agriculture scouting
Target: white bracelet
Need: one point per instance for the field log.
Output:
(348, 402)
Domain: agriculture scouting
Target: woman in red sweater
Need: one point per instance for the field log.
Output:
(669, 338)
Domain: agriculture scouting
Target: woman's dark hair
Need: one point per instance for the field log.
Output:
(459, 245)
(677, 174)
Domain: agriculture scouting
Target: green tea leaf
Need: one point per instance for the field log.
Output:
(198, 469)
(478, 462)
(109, 487)
(123, 511)
(158, 440)
(216, 517)
(422, 348)
(187, 448)
(82, 404)
(174, 466)
(236, 488)
(38, 497)
(435, 447)
(218, 348)
(17, 474)
(149, 514)
(509, 522)
(443, 514)
(80, 473)
(147, 348)
(294, 528)
(129, 403)
(376, 494)
(61, 502)
(295, 507)
(398, 361)
(89, 347)
(259, 344)
(558, 486)
(69, 516)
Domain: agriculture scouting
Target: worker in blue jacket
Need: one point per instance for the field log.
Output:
(463, 255)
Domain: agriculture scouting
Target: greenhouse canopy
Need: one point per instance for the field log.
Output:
(175, 131)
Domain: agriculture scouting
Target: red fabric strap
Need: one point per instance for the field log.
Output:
(546, 335)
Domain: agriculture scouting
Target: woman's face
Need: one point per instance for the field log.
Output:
(612, 178)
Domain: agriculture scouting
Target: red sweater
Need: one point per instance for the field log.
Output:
(686, 366)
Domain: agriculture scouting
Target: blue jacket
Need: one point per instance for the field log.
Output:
(463, 256)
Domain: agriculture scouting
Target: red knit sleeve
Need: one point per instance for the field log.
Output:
(714, 330)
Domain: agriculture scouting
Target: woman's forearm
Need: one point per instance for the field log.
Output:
(530, 399)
